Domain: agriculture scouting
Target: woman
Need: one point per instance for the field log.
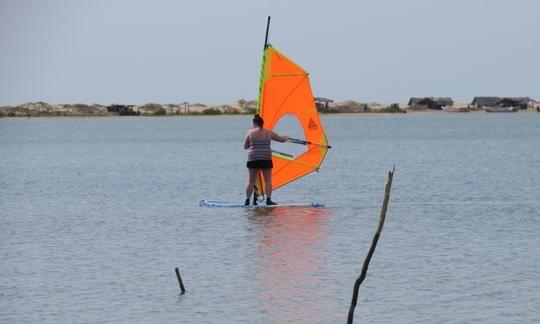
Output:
(259, 157)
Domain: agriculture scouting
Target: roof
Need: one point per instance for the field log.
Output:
(442, 101)
(322, 99)
(485, 101)
(525, 99)
(492, 101)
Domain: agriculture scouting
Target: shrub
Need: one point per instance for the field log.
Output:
(394, 108)
(250, 111)
(331, 111)
(160, 112)
(211, 111)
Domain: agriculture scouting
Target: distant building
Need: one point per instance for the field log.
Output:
(121, 110)
(505, 102)
(322, 103)
(481, 102)
(516, 102)
(431, 102)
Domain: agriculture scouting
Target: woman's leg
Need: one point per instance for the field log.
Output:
(251, 182)
(267, 174)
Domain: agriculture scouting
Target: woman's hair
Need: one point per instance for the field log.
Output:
(257, 120)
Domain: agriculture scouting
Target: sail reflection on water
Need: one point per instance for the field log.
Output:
(287, 261)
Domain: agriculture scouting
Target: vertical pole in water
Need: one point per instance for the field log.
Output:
(363, 274)
(182, 288)
(267, 29)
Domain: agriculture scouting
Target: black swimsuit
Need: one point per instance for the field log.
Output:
(260, 164)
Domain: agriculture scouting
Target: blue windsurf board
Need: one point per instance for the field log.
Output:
(225, 204)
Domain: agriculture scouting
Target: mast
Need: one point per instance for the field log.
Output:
(267, 29)
(261, 80)
(258, 190)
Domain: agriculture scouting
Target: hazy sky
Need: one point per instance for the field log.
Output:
(135, 51)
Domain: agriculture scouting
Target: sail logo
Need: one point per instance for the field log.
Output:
(312, 125)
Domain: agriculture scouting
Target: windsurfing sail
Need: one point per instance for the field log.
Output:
(285, 90)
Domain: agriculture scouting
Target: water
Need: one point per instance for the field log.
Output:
(96, 214)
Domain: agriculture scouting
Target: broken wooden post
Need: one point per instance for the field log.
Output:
(362, 276)
(182, 289)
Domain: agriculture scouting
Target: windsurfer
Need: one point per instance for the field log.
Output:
(259, 157)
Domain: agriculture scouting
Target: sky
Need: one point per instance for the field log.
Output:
(134, 51)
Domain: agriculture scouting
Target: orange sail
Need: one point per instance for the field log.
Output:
(285, 90)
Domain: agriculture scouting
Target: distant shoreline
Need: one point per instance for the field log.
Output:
(333, 114)
(240, 107)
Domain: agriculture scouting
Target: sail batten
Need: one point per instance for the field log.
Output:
(285, 90)
(290, 74)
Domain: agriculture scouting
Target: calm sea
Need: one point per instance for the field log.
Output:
(95, 214)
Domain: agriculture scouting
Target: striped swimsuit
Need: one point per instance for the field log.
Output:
(259, 153)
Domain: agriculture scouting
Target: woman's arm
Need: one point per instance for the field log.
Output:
(247, 141)
(279, 138)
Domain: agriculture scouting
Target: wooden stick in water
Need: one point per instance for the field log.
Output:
(182, 288)
(363, 274)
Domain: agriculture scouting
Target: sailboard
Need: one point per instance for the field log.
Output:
(226, 204)
(285, 89)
